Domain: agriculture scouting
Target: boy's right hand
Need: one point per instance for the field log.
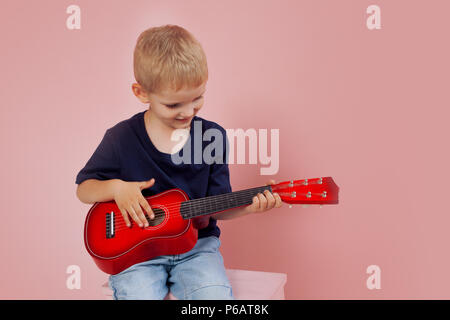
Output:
(129, 199)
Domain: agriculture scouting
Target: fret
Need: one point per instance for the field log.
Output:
(211, 206)
(195, 209)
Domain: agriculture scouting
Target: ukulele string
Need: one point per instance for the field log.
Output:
(239, 195)
(178, 215)
(244, 195)
(195, 206)
(200, 201)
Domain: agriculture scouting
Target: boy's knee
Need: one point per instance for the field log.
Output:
(139, 283)
(142, 293)
(212, 292)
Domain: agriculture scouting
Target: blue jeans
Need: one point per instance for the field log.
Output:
(198, 274)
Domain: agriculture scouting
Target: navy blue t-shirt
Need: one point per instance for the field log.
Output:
(126, 152)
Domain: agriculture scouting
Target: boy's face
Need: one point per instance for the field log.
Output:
(174, 109)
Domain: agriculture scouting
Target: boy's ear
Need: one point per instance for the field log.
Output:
(140, 93)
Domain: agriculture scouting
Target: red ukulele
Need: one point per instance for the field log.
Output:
(115, 247)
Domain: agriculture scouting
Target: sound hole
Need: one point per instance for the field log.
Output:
(159, 217)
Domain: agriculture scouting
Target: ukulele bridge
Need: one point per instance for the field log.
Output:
(110, 225)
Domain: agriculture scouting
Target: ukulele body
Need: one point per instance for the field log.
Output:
(115, 247)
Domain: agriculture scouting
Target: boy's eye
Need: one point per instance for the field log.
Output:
(176, 105)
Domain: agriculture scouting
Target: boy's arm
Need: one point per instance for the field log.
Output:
(97, 180)
(92, 190)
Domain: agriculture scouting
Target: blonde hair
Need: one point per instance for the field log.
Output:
(169, 57)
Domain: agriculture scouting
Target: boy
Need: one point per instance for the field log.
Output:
(134, 160)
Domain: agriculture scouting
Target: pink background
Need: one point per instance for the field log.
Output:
(367, 107)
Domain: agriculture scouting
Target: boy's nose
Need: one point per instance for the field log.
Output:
(188, 111)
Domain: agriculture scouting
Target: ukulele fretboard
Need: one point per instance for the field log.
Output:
(213, 204)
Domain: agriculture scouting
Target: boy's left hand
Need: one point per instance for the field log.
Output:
(265, 201)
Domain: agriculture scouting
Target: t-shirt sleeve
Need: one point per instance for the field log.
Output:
(219, 177)
(104, 163)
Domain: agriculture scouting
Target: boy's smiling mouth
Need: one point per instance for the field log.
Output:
(184, 119)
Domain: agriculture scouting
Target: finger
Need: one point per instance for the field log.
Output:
(125, 216)
(270, 199)
(137, 208)
(144, 204)
(270, 182)
(262, 201)
(278, 201)
(146, 184)
(134, 216)
(255, 204)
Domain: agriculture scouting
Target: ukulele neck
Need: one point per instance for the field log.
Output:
(222, 202)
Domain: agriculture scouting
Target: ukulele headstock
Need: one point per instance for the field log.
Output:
(308, 191)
